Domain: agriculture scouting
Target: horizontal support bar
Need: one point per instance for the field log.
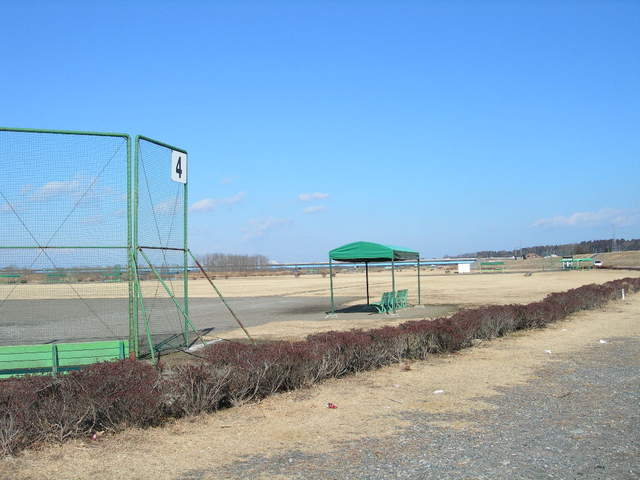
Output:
(160, 144)
(140, 247)
(58, 246)
(63, 132)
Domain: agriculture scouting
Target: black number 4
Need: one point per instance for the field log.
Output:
(179, 167)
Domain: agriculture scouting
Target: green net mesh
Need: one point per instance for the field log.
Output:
(161, 224)
(63, 237)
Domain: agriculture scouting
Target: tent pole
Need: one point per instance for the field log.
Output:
(333, 305)
(366, 271)
(393, 283)
(419, 280)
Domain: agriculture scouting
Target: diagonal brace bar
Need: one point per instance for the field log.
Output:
(171, 295)
(221, 297)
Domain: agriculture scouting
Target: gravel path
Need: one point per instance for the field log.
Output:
(579, 419)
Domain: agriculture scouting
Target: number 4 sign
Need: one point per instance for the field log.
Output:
(178, 166)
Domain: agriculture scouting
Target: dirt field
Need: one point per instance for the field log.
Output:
(461, 291)
(347, 283)
(469, 289)
(370, 405)
(272, 307)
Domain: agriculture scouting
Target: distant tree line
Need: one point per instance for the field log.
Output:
(228, 261)
(586, 247)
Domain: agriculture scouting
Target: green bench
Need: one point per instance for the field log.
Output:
(387, 301)
(402, 298)
(57, 358)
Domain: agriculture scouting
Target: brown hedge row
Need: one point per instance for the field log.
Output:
(112, 396)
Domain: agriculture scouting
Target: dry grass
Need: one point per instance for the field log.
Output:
(368, 405)
(462, 290)
(612, 259)
(346, 283)
(297, 330)
(470, 289)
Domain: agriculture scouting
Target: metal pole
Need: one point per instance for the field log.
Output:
(62, 132)
(393, 283)
(137, 294)
(185, 328)
(147, 329)
(366, 271)
(140, 305)
(419, 303)
(130, 281)
(233, 314)
(333, 305)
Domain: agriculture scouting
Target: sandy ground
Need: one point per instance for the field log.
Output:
(271, 307)
(346, 283)
(462, 291)
(471, 289)
(369, 405)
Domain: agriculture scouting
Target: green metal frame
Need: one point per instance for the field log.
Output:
(58, 358)
(136, 300)
(128, 247)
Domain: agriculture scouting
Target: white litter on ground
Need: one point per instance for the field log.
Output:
(436, 392)
(603, 341)
(547, 351)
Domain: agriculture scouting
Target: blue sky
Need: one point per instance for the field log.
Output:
(443, 126)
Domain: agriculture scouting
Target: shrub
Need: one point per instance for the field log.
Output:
(194, 389)
(110, 396)
(116, 394)
(263, 369)
(19, 398)
(104, 396)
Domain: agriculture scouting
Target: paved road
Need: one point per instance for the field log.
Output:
(43, 321)
(580, 419)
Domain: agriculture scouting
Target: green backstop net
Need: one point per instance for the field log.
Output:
(64, 236)
(160, 238)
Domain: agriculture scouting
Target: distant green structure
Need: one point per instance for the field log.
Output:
(570, 263)
(115, 275)
(10, 277)
(491, 266)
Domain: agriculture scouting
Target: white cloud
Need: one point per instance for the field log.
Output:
(209, 204)
(314, 209)
(82, 188)
(305, 197)
(605, 216)
(169, 206)
(55, 188)
(93, 220)
(259, 227)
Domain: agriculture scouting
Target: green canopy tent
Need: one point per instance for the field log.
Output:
(369, 252)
